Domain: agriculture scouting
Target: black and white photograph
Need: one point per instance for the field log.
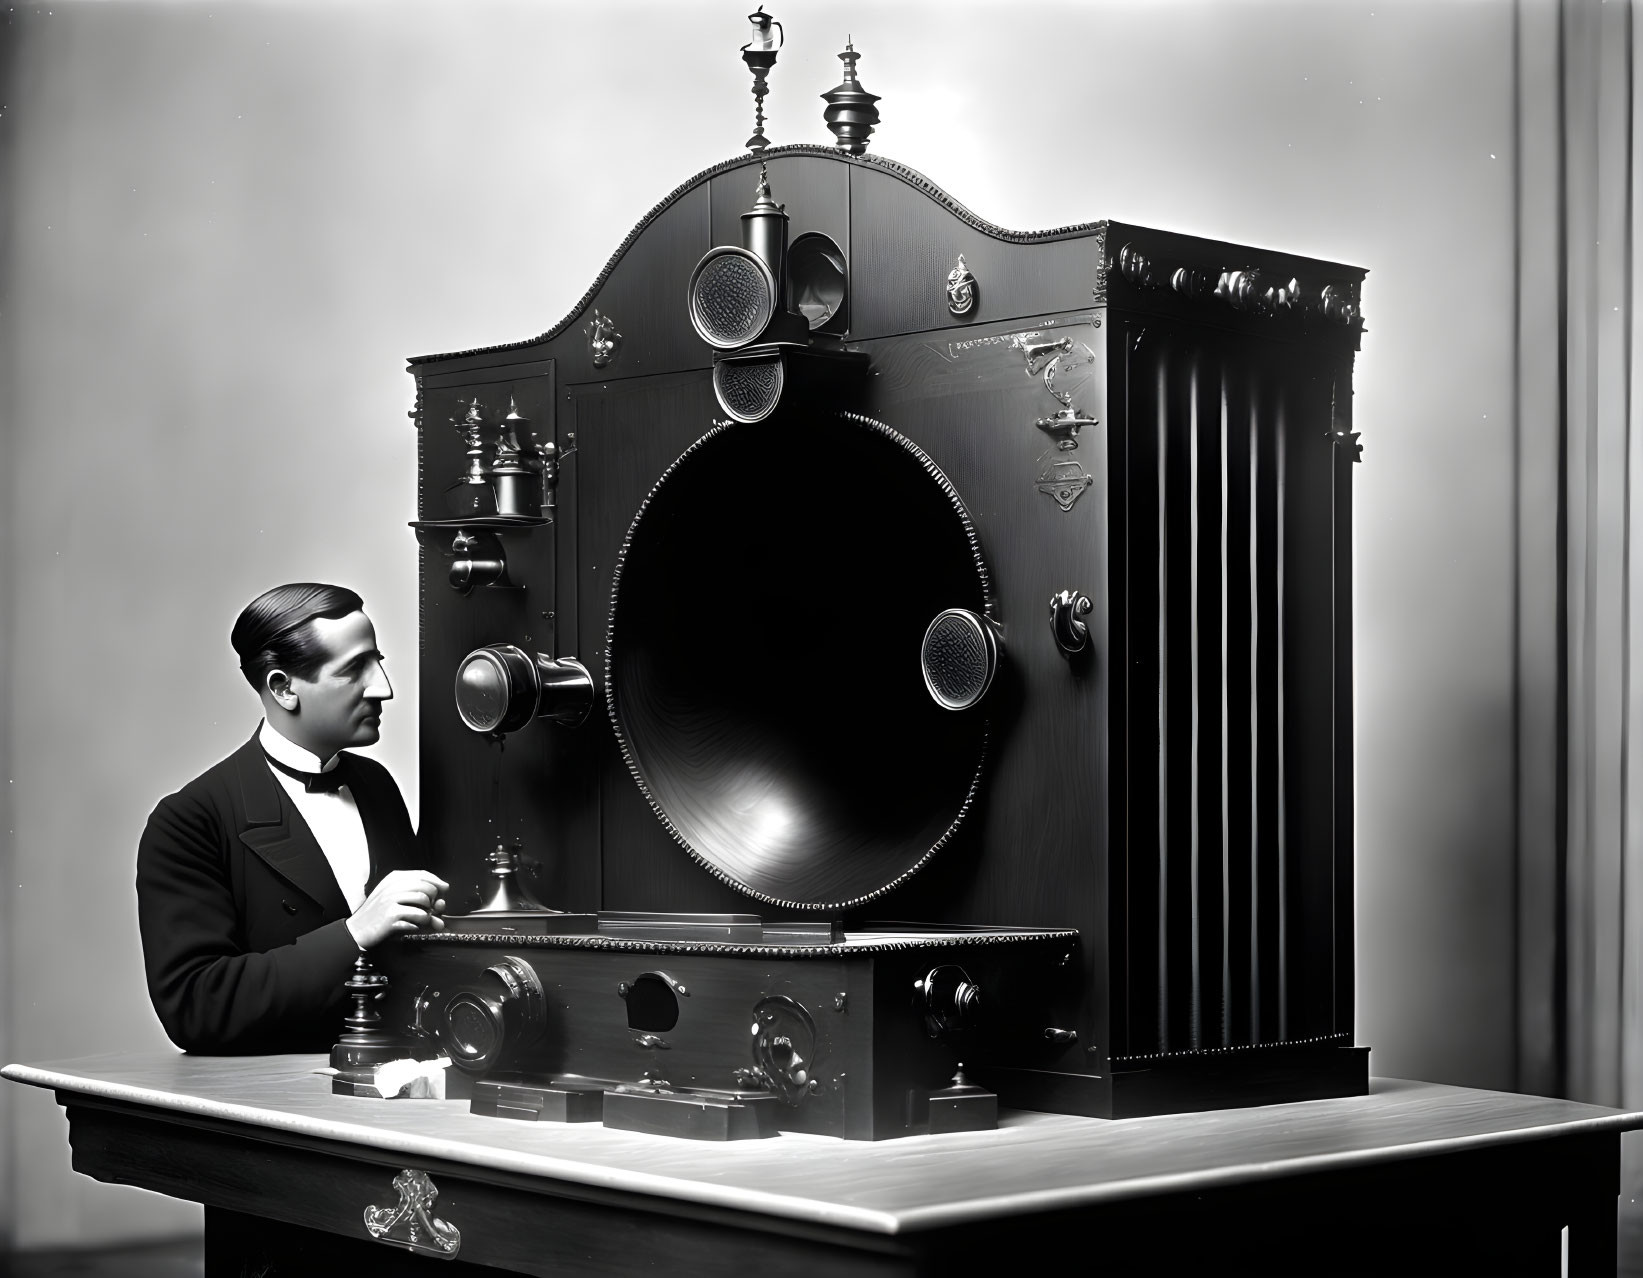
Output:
(901, 638)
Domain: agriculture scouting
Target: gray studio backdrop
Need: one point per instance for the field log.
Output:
(227, 225)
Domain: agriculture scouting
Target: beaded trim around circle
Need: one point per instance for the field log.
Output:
(911, 176)
(944, 940)
(951, 493)
(1237, 1047)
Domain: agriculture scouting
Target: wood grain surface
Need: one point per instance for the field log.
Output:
(1032, 1163)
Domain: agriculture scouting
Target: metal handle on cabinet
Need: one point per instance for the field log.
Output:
(1067, 610)
(411, 1223)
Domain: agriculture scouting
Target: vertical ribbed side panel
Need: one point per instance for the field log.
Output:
(1229, 942)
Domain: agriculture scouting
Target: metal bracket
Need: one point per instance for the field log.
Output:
(1052, 357)
(961, 289)
(477, 559)
(411, 1224)
(603, 339)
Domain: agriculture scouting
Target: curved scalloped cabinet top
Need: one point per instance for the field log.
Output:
(901, 236)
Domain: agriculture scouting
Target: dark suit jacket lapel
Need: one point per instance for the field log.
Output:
(374, 815)
(276, 832)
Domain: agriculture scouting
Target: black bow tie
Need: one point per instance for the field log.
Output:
(314, 782)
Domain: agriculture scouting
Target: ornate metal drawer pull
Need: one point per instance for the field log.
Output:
(412, 1224)
(961, 289)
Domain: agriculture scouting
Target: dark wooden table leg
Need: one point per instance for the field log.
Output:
(1594, 1240)
(1594, 1225)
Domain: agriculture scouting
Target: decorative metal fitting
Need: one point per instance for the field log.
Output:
(1067, 608)
(426, 1014)
(471, 426)
(1136, 266)
(508, 895)
(1050, 358)
(547, 465)
(850, 112)
(1063, 427)
(477, 559)
(603, 339)
(1191, 282)
(784, 1047)
(1242, 291)
(948, 999)
(1346, 439)
(515, 480)
(961, 289)
(1340, 421)
(760, 55)
(1053, 1035)
(411, 1224)
(1064, 480)
(1337, 306)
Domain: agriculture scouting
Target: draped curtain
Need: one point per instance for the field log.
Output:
(1580, 654)
(1579, 720)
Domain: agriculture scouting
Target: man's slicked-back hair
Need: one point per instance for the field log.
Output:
(274, 631)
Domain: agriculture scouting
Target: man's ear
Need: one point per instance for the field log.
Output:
(280, 688)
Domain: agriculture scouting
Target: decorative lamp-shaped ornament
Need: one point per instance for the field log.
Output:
(515, 482)
(760, 55)
(850, 112)
(472, 493)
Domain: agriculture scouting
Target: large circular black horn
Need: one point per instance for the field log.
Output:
(763, 656)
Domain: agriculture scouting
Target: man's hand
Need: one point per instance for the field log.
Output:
(405, 901)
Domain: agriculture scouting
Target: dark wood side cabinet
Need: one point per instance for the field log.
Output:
(1413, 1178)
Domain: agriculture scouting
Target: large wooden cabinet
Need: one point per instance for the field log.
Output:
(1180, 793)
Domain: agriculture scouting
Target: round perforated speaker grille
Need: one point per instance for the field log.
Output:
(959, 656)
(732, 297)
(748, 391)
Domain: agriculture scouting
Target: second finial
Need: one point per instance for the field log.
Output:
(851, 113)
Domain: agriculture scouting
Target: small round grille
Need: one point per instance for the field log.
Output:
(959, 657)
(748, 392)
(731, 299)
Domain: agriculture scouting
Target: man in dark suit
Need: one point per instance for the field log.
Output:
(261, 881)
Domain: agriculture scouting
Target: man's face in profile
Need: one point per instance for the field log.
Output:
(341, 705)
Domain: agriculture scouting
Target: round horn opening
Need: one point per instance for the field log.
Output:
(763, 672)
(818, 281)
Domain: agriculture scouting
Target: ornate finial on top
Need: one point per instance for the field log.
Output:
(763, 201)
(850, 112)
(760, 55)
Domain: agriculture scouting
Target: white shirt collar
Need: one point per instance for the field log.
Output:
(288, 752)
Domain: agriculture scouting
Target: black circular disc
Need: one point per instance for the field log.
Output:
(763, 657)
